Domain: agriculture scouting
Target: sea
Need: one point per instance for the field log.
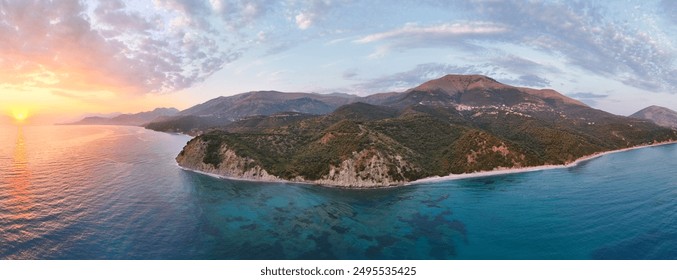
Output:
(114, 192)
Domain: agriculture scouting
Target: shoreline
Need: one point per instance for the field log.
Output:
(505, 171)
(283, 181)
(450, 177)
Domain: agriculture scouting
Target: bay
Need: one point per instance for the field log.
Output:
(108, 192)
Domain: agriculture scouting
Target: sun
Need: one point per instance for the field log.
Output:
(20, 115)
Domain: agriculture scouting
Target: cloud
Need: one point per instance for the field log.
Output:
(588, 97)
(350, 74)
(528, 81)
(87, 98)
(76, 46)
(668, 8)
(304, 20)
(580, 33)
(213, 15)
(522, 65)
(168, 45)
(459, 35)
(312, 11)
(413, 32)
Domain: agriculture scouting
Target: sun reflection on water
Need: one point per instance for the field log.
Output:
(20, 178)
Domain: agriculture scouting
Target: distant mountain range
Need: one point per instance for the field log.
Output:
(137, 119)
(452, 125)
(660, 115)
(224, 110)
(269, 102)
(103, 115)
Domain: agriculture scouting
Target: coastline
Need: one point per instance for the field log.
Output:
(505, 171)
(244, 179)
(450, 177)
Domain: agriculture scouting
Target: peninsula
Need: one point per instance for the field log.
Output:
(457, 124)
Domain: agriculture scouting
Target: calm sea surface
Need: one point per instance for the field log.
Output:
(105, 192)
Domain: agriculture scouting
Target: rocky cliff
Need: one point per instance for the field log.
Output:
(195, 156)
(365, 169)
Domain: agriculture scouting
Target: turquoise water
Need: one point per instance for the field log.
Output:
(103, 192)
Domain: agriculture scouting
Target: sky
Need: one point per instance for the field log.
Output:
(63, 58)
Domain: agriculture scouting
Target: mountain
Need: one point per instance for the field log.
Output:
(223, 110)
(128, 119)
(476, 91)
(108, 115)
(660, 115)
(452, 125)
(268, 102)
(92, 121)
(143, 117)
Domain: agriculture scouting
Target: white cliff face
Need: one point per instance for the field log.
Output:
(365, 169)
(232, 165)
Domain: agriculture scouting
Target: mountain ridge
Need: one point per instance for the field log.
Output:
(220, 111)
(136, 119)
(449, 90)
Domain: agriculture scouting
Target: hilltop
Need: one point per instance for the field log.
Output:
(659, 115)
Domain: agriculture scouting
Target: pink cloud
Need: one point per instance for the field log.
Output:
(111, 49)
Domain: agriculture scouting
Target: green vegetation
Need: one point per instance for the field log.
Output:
(433, 141)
